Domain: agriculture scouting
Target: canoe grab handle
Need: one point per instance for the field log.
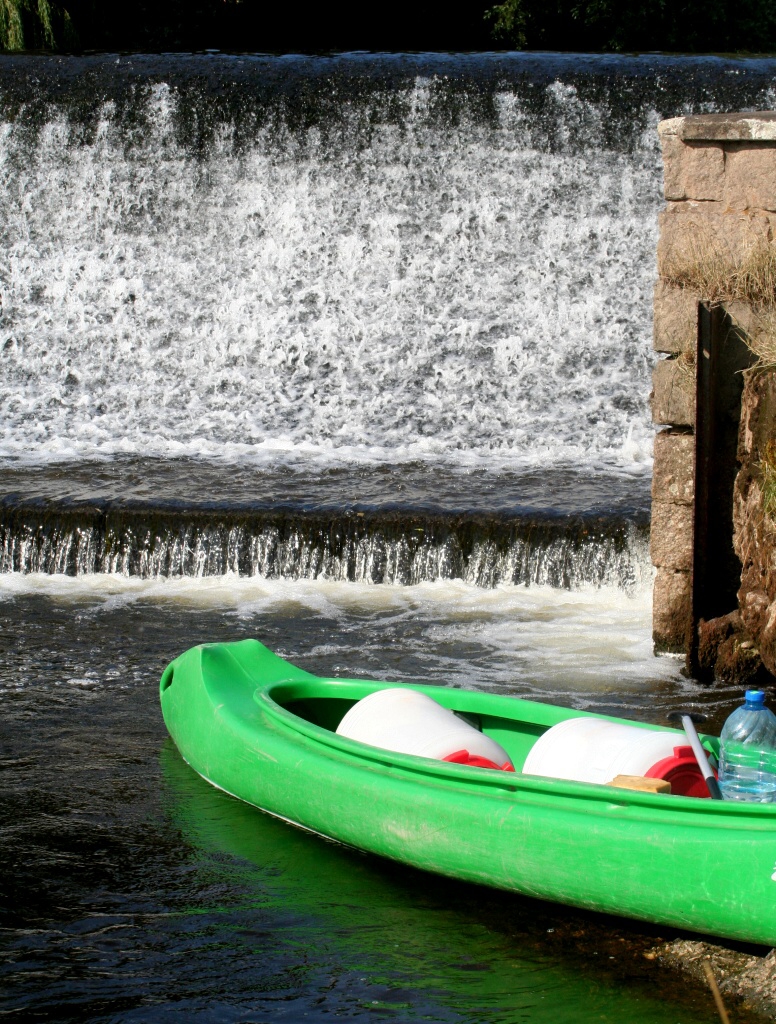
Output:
(166, 681)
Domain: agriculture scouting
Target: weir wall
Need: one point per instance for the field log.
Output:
(720, 191)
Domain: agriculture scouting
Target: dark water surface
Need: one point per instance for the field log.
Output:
(133, 891)
(183, 485)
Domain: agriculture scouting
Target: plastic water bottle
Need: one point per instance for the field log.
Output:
(747, 761)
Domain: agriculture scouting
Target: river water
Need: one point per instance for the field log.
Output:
(352, 355)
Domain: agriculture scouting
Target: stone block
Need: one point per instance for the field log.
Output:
(693, 170)
(673, 475)
(673, 395)
(741, 229)
(711, 636)
(671, 536)
(671, 611)
(690, 231)
(685, 229)
(676, 318)
(750, 176)
(739, 663)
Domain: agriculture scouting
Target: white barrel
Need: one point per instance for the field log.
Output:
(592, 750)
(409, 722)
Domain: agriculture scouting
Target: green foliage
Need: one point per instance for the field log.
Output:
(510, 21)
(11, 30)
(712, 26)
(689, 26)
(33, 25)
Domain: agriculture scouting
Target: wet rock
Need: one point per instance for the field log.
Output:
(757, 982)
(728, 654)
(739, 664)
(744, 977)
(711, 636)
(755, 605)
(768, 640)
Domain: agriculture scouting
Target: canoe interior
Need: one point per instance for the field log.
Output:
(245, 677)
(516, 735)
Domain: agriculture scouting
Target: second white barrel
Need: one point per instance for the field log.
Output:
(593, 750)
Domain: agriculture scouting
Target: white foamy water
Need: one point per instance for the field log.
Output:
(445, 292)
(537, 642)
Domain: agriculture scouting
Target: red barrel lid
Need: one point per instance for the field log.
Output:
(682, 772)
(464, 757)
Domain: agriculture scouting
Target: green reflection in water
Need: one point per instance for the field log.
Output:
(401, 943)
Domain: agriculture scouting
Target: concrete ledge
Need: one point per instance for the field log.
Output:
(758, 126)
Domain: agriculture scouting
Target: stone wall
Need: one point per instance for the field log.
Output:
(720, 190)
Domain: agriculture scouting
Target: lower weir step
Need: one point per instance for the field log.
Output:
(378, 546)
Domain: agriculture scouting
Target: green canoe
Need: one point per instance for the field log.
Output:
(263, 730)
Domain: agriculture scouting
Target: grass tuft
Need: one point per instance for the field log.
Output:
(685, 365)
(761, 337)
(718, 277)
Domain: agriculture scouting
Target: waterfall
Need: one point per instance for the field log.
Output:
(365, 260)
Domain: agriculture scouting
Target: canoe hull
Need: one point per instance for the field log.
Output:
(677, 861)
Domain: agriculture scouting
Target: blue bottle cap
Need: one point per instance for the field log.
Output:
(755, 696)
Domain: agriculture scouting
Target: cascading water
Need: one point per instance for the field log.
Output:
(418, 293)
(373, 262)
(354, 261)
(375, 549)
